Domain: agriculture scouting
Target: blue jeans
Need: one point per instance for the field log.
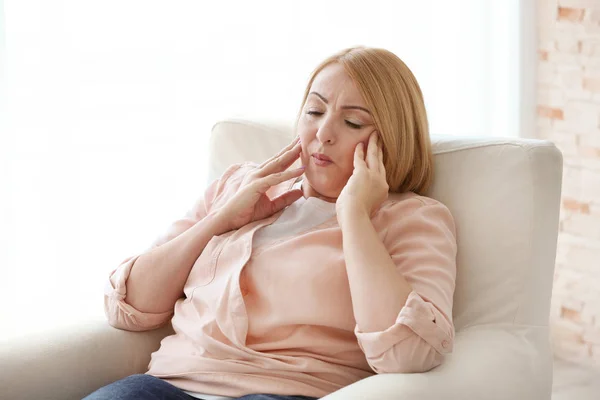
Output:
(148, 387)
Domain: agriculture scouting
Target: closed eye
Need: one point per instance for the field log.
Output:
(350, 124)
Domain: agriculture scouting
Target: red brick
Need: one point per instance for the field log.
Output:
(570, 14)
(552, 113)
(572, 204)
(568, 114)
(569, 314)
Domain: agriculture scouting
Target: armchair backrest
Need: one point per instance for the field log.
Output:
(504, 194)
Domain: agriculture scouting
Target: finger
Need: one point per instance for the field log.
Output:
(282, 201)
(290, 146)
(371, 158)
(282, 162)
(287, 148)
(274, 179)
(359, 155)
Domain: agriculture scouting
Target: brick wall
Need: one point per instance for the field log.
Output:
(568, 113)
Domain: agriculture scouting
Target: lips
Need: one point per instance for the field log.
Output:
(322, 157)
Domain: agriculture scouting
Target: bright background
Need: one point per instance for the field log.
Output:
(106, 108)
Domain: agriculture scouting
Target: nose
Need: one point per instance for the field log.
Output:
(326, 132)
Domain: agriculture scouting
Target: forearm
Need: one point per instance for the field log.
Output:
(157, 277)
(378, 290)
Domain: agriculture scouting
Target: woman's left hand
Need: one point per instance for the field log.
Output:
(367, 188)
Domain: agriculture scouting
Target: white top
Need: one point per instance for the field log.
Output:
(299, 216)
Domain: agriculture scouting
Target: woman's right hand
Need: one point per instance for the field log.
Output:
(251, 202)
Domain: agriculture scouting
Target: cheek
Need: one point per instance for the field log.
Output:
(304, 154)
(365, 143)
(304, 132)
(306, 137)
(352, 148)
(349, 158)
(349, 154)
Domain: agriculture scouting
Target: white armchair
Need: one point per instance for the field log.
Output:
(504, 194)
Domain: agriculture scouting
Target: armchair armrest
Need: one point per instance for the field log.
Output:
(501, 363)
(507, 362)
(72, 361)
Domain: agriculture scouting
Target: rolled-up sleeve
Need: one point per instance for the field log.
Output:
(423, 248)
(122, 315)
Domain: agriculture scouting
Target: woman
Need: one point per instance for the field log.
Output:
(293, 283)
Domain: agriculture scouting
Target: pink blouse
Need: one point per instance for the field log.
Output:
(279, 318)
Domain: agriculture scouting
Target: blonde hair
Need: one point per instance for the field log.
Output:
(395, 100)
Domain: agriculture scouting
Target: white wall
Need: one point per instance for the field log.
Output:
(110, 103)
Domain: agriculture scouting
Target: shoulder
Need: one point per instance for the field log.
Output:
(409, 208)
(409, 202)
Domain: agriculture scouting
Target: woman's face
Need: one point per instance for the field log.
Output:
(333, 121)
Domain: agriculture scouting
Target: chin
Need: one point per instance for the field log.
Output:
(322, 186)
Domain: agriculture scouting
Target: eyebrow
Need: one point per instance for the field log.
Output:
(343, 107)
